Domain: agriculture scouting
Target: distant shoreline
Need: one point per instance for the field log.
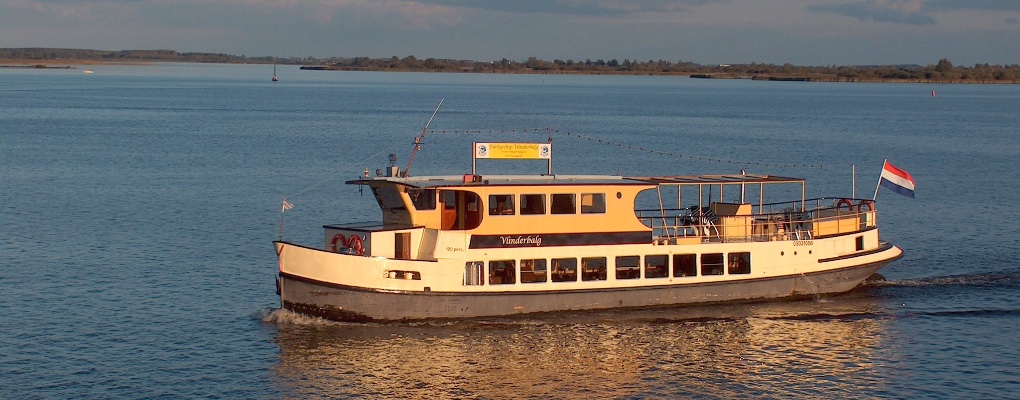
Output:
(717, 72)
(755, 77)
(63, 64)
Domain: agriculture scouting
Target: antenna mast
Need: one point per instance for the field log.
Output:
(417, 140)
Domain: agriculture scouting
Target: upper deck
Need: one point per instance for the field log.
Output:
(570, 204)
(451, 181)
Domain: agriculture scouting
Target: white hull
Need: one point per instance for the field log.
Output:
(349, 287)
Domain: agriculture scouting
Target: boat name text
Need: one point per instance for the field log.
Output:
(804, 243)
(519, 240)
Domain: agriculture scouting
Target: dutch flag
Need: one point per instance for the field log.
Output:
(897, 180)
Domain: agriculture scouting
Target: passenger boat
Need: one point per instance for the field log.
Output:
(494, 245)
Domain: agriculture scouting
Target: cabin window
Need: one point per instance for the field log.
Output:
(388, 197)
(685, 265)
(656, 266)
(628, 267)
(502, 272)
(860, 243)
(461, 210)
(402, 246)
(501, 204)
(593, 203)
(533, 271)
(532, 204)
(423, 199)
(711, 264)
(740, 263)
(474, 272)
(563, 203)
(449, 200)
(593, 269)
(564, 270)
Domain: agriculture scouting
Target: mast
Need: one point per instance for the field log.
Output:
(417, 140)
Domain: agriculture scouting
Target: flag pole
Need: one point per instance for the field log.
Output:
(853, 181)
(884, 162)
(282, 226)
(283, 209)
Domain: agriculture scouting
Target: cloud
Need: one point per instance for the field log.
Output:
(911, 12)
(77, 10)
(413, 14)
(995, 5)
(575, 7)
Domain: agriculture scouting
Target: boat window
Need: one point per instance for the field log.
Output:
(388, 197)
(461, 210)
(501, 204)
(532, 204)
(502, 272)
(449, 200)
(474, 271)
(656, 266)
(564, 270)
(402, 245)
(711, 264)
(593, 203)
(628, 267)
(563, 203)
(859, 242)
(685, 265)
(533, 271)
(740, 263)
(473, 210)
(423, 199)
(593, 269)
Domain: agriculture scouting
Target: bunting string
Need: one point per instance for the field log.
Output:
(625, 146)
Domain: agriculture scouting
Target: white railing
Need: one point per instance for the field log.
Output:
(768, 222)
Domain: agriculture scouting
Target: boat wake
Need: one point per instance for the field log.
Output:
(1005, 278)
(972, 313)
(286, 317)
(832, 317)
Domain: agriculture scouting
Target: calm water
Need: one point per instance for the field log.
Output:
(138, 205)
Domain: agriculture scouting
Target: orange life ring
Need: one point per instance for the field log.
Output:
(339, 238)
(849, 204)
(866, 203)
(355, 244)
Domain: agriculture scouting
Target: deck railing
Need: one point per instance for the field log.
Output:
(795, 220)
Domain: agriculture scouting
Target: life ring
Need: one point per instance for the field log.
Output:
(355, 244)
(338, 238)
(849, 204)
(866, 203)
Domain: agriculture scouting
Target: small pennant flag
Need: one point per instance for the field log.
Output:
(286, 206)
(897, 180)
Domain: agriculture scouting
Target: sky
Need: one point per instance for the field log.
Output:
(799, 32)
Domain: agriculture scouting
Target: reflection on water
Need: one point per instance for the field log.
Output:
(802, 348)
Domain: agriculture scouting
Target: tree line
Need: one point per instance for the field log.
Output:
(941, 71)
(72, 55)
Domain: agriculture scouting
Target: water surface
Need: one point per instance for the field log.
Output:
(139, 203)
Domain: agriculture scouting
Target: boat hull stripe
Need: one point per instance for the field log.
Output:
(559, 239)
(883, 247)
